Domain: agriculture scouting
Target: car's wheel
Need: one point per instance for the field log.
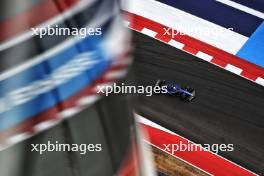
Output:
(190, 98)
(183, 96)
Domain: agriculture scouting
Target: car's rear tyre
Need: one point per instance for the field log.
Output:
(190, 98)
(183, 96)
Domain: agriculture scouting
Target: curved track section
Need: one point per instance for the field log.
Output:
(228, 109)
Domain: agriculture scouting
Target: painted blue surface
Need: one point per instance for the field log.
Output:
(49, 99)
(43, 70)
(39, 71)
(253, 4)
(218, 13)
(253, 49)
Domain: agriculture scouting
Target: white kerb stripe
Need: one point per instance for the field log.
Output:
(123, 62)
(116, 74)
(126, 23)
(45, 125)
(260, 81)
(242, 8)
(69, 112)
(88, 100)
(176, 44)
(233, 69)
(17, 138)
(149, 32)
(204, 56)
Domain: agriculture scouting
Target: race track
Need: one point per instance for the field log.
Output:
(228, 108)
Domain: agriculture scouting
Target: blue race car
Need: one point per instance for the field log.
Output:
(171, 88)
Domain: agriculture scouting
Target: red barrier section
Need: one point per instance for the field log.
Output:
(205, 160)
(33, 17)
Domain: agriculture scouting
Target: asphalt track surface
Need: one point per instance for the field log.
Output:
(228, 109)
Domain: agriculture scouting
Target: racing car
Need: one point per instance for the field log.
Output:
(171, 88)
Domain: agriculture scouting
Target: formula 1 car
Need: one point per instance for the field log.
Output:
(171, 88)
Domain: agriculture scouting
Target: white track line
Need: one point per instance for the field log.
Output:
(242, 8)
